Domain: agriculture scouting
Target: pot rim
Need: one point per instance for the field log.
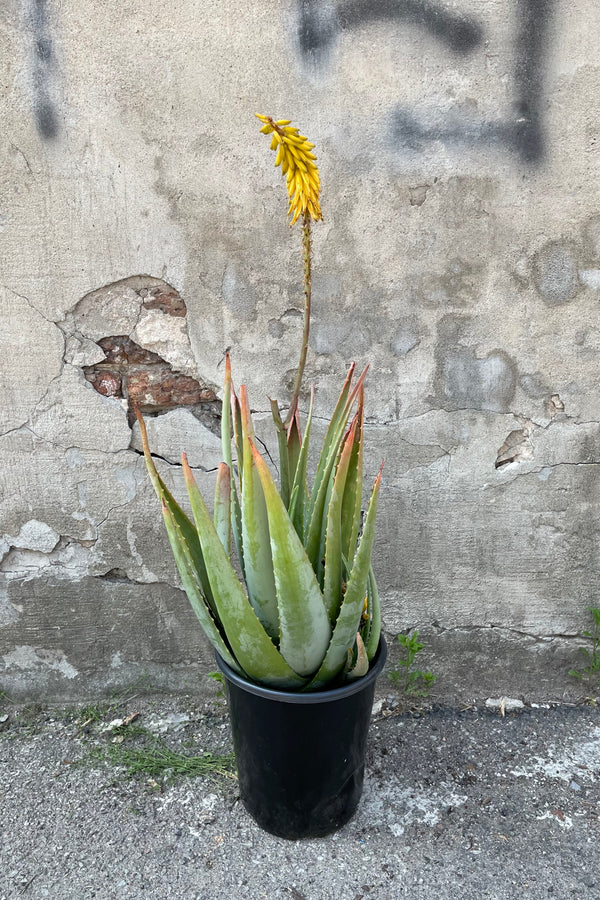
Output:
(325, 696)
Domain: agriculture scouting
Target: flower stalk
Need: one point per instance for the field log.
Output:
(298, 164)
(307, 285)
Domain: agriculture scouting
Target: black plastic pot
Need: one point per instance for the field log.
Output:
(301, 757)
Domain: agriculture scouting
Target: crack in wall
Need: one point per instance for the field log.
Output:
(440, 630)
(175, 465)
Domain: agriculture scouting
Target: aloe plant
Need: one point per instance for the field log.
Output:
(305, 613)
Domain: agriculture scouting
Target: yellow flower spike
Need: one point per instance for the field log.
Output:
(298, 166)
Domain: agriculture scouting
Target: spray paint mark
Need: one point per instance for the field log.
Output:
(44, 65)
(521, 131)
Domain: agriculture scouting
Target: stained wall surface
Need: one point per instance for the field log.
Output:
(142, 233)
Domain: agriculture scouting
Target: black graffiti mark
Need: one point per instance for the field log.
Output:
(46, 117)
(321, 24)
(530, 52)
(522, 131)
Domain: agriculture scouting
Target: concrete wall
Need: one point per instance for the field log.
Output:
(142, 233)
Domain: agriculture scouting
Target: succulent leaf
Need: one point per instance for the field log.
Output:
(336, 427)
(236, 525)
(304, 623)
(236, 416)
(294, 445)
(236, 512)
(299, 498)
(374, 609)
(222, 508)
(226, 414)
(361, 666)
(351, 508)
(250, 643)
(332, 587)
(327, 460)
(284, 466)
(256, 546)
(189, 578)
(187, 528)
(347, 623)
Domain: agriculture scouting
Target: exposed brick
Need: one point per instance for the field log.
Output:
(167, 300)
(121, 351)
(158, 388)
(106, 382)
(147, 380)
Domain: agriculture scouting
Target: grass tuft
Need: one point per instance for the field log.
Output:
(159, 760)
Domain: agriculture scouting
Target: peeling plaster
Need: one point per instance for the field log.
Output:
(34, 535)
(26, 659)
(131, 341)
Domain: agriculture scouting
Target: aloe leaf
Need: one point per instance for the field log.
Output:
(351, 507)
(315, 527)
(236, 417)
(332, 584)
(346, 627)
(299, 497)
(336, 425)
(256, 546)
(375, 617)
(304, 623)
(226, 414)
(222, 508)
(361, 666)
(250, 643)
(236, 512)
(294, 445)
(229, 409)
(236, 526)
(327, 460)
(284, 467)
(185, 566)
(187, 527)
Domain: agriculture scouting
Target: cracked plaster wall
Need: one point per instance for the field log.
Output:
(140, 238)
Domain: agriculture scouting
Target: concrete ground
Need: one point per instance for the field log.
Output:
(464, 803)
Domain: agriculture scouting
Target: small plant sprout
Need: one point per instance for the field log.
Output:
(218, 677)
(590, 674)
(412, 683)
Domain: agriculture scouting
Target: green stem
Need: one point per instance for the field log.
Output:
(307, 273)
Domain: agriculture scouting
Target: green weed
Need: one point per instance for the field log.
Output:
(590, 674)
(218, 677)
(413, 683)
(159, 760)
